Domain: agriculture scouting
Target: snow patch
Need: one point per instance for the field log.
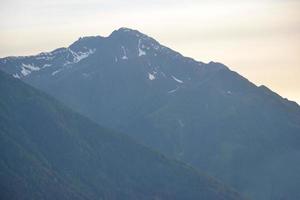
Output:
(124, 57)
(55, 72)
(172, 91)
(83, 55)
(31, 67)
(25, 71)
(46, 65)
(141, 52)
(77, 57)
(16, 76)
(177, 80)
(151, 76)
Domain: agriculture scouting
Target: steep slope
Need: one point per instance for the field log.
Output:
(203, 114)
(50, 152)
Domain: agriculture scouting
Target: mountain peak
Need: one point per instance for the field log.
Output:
(127, 32)
(125, 29)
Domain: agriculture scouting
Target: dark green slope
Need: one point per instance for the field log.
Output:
(248, 137)
(50, 152)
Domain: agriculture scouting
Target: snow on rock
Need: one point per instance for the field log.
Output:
(177, 80)
(172, 91)
(141, 52)
(78, 56)
(16, 76)
(46, 65)
(83, 55)
(55, 72)
(124, 57)
(151, 76)
(69, 57)
(31, 67)
(25, 71)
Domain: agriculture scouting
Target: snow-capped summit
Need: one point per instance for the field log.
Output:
(122, 47)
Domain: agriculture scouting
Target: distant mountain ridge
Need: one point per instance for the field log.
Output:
(51, 152)
(203, 114)
(139, 46)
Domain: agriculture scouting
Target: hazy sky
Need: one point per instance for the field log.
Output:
(260, 39)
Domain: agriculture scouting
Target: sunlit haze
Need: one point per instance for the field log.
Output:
(260, 39)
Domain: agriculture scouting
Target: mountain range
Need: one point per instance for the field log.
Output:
(50, 152)
(200, 113)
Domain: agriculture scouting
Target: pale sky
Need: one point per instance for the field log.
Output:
(260, 39)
